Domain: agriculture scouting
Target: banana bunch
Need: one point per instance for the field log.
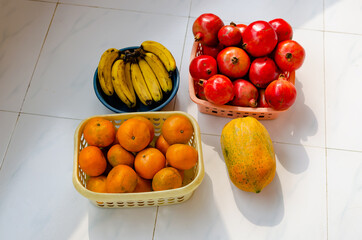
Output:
(142, 74)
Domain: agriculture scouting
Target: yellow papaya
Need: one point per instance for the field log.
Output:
(249, 154)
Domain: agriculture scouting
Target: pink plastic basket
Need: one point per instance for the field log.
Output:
(228, 110)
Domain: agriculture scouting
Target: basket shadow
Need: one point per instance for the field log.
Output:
(102, 222)
(200, 215)
(265, 208)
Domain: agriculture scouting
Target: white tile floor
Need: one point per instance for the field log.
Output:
(48, 53)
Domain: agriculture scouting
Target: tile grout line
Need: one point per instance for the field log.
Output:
(37, 61)
(325, 117)
(10, 139)
(183, 50)
(154, 226)
(17, 119)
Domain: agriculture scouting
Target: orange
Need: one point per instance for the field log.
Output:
(182, 156)
(166, 178)
(177, 129)
(97, 184)
(133, 135)
(92, 161)
(148, 162)
(162, 145)
(143, 185)
(121, 179)
(118, 155)
(99, 132)
(149, 125)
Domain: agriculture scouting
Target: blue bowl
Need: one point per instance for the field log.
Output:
(114, 104)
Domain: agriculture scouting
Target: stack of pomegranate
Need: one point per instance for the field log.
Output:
(245, 65)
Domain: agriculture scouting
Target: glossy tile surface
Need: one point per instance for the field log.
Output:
(23, 28)
(168, 7)
(344, 194)
(343, 69)
(49, 51)
(343, 16)
(301, 14)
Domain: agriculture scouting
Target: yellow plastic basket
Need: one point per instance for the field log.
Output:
(192, 179)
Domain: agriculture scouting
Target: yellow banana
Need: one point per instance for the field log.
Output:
(160, 71)
(105, 70)
(151, 80)
(127, 69)
(162, 52)
(120, 85)
(139, 85)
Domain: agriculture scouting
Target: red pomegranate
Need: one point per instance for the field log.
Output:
(206, 28)
(245, 94)
(280, 94)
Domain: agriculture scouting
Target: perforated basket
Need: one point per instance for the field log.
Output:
(192, 177)
(228, 110)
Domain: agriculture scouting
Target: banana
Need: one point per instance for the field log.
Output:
(105, 70)
(151, 80)
(162, 52)
(122, 88)
(127, 69)
(160, 71)
(139, 85)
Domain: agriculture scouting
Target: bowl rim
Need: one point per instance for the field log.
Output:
(157, 108)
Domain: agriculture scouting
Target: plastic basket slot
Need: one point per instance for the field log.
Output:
(171, 200)
(130, 204)
(140, 203)
(150, 203)
(111, 204)
(161, 201)
(180, 199)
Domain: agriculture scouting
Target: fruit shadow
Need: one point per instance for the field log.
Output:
(265, 208)
(297, 124)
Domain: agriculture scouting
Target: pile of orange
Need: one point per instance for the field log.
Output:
(127, 159)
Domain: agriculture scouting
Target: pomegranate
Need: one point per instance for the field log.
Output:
(199, 90)
(280, 94)
(261, 100)
(229, 35)
(282, 28)
(262, 71)
(203, 67)
(206, 28)
(259, 39)
(241, 27)
(245, 94)
(233, 62)
(218, 89)
(212, 51)
(289, 55)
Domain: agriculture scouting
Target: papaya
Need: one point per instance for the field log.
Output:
(248, 153)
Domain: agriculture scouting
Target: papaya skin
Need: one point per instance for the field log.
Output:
(248, 153)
